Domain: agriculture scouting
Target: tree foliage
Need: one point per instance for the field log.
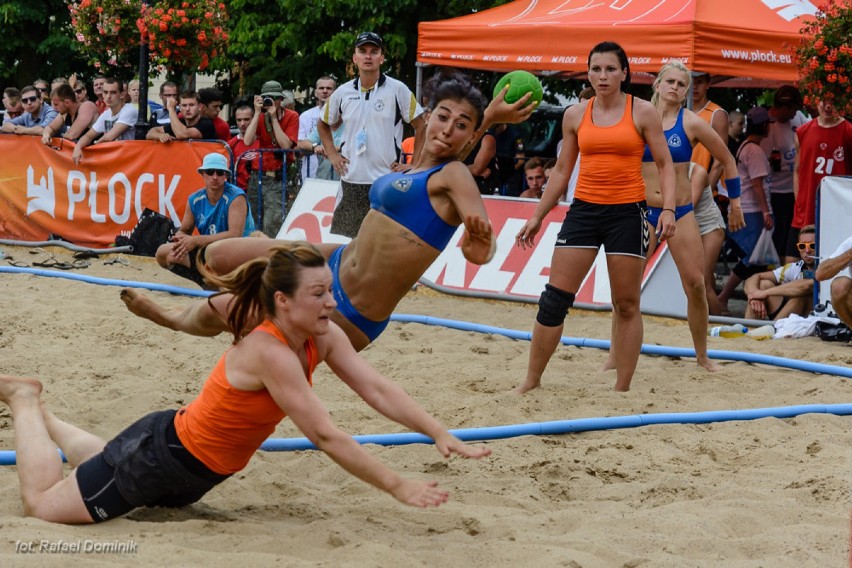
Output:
(37, 42)
(295, 43)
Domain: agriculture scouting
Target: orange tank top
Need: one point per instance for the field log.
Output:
(611, 160)
(700, 154)
(224, 426)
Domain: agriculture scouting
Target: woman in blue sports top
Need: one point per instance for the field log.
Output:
(684, 129)
(412, 218)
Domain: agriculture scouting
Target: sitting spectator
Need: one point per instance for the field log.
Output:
(243, 116)
(534, 176)
(277, 128)
(160, 117)
(775, 294)
(219, 210)
(80, 91)
(839, 267)
(43, 88)
(97, 87)
(117, 122)
(132, 94)
(74, 118)
(37, 114)
(191, 125)
(210, 100)
(324, 170)
(12, 103)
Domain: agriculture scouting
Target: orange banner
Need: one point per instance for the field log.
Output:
(42, 191)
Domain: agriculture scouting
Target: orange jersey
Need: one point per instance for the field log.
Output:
(611, 163)
(700, 154)
(224, 426)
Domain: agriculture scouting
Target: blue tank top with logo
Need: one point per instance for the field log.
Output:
(679, 145)
(404, 198)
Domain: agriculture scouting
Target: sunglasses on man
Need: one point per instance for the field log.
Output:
(27, 100)
(806, 246)
(211, 173)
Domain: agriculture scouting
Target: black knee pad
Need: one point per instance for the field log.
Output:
(553, 306)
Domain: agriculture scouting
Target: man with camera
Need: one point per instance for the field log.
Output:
(373, 107)
(277, 129)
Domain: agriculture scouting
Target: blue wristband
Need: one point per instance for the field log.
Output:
(733, 187)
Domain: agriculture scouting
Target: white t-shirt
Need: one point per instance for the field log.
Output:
(782, 137)
(790, 272)
(379, 113)
(127, 115)
(752, 163)
(307, 124)
(844, 246)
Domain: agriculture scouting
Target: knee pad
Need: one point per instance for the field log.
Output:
(553, 306)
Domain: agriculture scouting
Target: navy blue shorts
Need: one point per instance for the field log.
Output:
(144, 466)
(620, 229)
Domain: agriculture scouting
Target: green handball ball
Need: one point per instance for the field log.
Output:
(520, 83)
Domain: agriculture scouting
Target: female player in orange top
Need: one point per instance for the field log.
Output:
(172, 458)
(610, 132)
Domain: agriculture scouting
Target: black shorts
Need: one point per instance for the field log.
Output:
(621, 229)
(144, 466)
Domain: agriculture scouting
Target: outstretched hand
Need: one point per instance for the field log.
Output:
(477, 242)
(420, 493)
(449, 445)
(499, 111)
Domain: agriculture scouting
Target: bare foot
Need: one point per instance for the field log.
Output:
(18, 388)
(708, 364)
(609, 364)
(144, 307)
(526, 387)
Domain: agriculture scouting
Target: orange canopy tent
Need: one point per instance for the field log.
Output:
(751, 40)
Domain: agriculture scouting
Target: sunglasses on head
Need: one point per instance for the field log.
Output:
(29, 99)
(806, 246)
(211, 173)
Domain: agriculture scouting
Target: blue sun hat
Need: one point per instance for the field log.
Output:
(214, 161)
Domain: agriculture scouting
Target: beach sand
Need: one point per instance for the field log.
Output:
(767, 492)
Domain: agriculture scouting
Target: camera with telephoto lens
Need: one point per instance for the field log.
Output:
(268, 102)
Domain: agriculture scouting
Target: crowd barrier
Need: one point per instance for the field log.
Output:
(44, 195)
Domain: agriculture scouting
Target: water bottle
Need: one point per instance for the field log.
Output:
(762, 332)
(736, 330)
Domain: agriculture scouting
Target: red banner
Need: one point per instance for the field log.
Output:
(42, 191)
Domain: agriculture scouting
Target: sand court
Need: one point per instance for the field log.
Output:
(744, 493)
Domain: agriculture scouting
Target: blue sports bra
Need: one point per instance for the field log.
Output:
(404, 198)
(679, 145)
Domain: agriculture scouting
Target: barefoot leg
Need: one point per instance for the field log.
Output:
(45, 493)
(77, 444)
(196, 319)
